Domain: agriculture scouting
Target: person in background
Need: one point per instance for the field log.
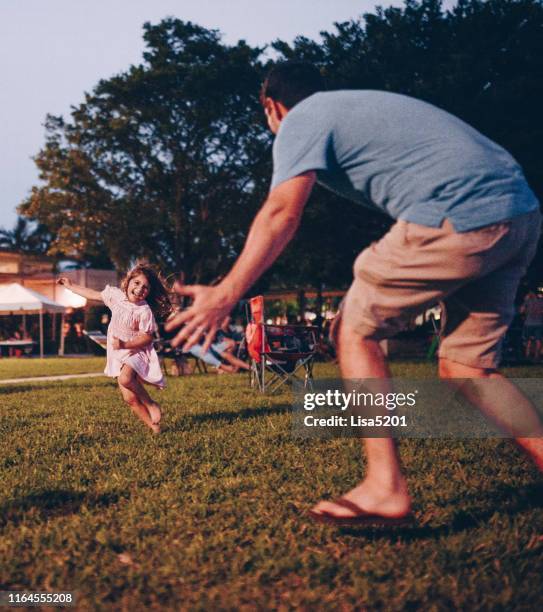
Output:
(532, 309)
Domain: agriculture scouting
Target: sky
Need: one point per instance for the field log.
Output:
(52, 51)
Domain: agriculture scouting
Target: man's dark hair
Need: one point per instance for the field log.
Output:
(291, 82)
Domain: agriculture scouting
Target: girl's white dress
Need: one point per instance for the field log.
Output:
(128, 320)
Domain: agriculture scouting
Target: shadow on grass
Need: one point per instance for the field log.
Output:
(505, 499)
(54, 503)
(247, 413)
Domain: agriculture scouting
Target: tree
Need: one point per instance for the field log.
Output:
(170, 159)
(26, 237)
(332, 233)
(161, 161)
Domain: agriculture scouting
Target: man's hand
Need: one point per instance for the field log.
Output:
(209, 308)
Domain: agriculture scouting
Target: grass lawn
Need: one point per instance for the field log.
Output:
(50, 366)
(209, 515)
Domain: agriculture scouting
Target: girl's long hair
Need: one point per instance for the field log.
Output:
(159, 296)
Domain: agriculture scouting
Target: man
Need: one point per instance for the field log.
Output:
(466, 228)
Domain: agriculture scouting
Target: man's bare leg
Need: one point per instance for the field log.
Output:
(138, 408)
(495, 401)
(384, 489)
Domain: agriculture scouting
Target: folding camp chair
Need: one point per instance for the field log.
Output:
(435, 339)
(278, 352)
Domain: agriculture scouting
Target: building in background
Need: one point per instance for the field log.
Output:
(38, 273)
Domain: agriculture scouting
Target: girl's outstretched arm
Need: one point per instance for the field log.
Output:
(85, 292)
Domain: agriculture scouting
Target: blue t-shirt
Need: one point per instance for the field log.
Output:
(402, 156)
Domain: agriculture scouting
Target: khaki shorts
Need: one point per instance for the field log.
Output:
(474, 274)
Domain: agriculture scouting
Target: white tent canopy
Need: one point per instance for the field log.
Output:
(16, 299)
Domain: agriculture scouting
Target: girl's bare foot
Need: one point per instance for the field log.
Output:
(154, 413)
(155, 428)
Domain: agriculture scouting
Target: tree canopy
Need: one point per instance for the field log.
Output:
(159, 162)
(26, 237)
(171, 159)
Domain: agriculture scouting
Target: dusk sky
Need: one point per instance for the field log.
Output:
(54, 50)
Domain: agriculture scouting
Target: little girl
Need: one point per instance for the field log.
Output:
(131, 357)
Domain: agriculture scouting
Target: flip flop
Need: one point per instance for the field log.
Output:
(362, 518)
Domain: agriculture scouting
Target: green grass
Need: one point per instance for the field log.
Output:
(209, 515)
(51, 366)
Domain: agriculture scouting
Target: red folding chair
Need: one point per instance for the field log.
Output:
(278, 353)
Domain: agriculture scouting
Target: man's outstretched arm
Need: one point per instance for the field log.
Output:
(271, 231)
